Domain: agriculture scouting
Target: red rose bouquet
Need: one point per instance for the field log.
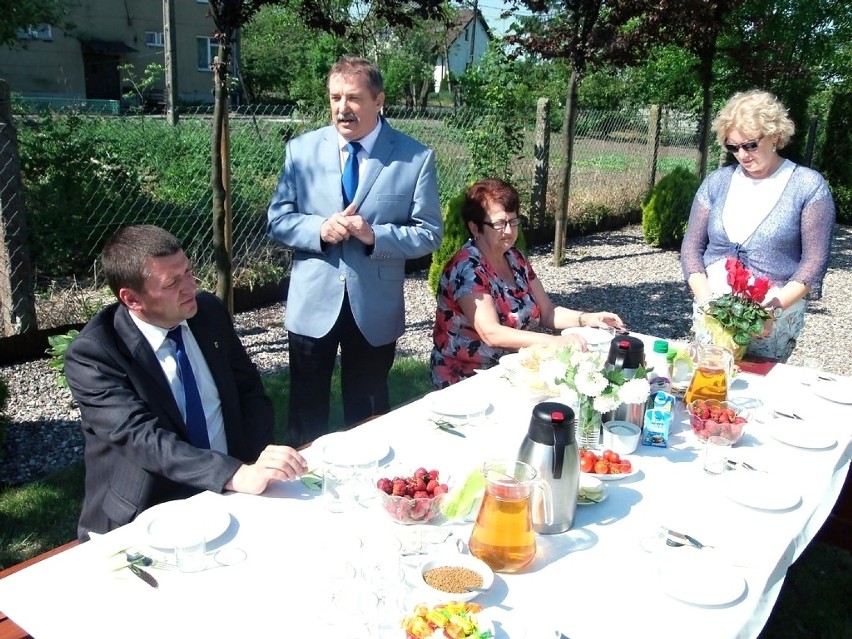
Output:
(739, 314)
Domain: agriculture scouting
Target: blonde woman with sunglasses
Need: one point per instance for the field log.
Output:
(775, 216)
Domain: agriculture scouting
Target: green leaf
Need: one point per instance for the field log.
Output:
(312, 479)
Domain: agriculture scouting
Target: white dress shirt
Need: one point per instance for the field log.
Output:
(164, 349)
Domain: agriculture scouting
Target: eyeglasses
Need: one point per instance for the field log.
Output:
(500, 225)
(750, 146)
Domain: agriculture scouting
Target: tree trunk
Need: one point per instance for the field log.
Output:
(218, 180)
(705, 73)
(568, 126)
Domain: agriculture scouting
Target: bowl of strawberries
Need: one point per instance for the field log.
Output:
(412, 499)
(710, 417)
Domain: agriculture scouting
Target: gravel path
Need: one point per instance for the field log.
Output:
(604, 271)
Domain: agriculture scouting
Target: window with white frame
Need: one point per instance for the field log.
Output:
(36, 32)
(206, 50)
(154, 39)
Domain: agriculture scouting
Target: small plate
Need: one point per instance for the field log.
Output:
(511, 361)
(700, 582)
(345, 448)
(616, 476)
(596, 337)
(587, 481)
(801, 433)
(165, 523)
(454, 403)
(839, 390)
(760, 491)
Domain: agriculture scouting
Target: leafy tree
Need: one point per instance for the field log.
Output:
(585, 33)
(21, 14)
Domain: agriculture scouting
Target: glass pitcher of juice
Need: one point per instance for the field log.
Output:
(503, 535)
(712, 374)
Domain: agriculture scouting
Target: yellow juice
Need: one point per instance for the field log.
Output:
(708, 382)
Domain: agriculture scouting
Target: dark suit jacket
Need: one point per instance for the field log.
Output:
(137, 446)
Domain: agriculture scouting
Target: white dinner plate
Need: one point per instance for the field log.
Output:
(801, 433)
(165, 523)
(763, 491)
(700, 582)
(616, 476)
(839, 390)
(455, 403)
(347, 449)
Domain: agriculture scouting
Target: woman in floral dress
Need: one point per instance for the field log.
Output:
(489, 294)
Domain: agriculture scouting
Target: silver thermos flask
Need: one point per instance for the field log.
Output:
(550, 447)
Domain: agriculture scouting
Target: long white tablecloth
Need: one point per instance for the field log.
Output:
(584, 583)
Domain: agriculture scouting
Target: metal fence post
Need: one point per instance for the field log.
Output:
(653, 144)
(17, 306)
(538, 206)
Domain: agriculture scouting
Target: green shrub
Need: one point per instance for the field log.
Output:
(843, 203)
(58, 346)
(665, 212)
(835, 155)
(455, 235)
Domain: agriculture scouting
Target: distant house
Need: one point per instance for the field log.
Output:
(467, 41)
(82, 60)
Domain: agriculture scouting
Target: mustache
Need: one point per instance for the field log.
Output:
(346, 117)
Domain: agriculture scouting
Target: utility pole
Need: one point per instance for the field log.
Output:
(473, 34)
(170, 61)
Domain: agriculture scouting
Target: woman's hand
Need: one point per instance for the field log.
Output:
(601, 320)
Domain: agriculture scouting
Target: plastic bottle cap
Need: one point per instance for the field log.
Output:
(661, 346)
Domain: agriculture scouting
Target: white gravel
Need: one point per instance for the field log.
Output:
(613, 270)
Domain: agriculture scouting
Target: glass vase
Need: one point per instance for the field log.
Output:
(588, 428)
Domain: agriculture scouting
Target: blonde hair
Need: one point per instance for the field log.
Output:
(756, 114)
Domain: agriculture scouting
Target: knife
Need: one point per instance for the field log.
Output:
(144, 575)
(692, 541)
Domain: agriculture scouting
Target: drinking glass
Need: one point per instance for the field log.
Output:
(190, 550)
(716, 454)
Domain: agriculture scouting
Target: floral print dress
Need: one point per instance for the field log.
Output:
(458, 349)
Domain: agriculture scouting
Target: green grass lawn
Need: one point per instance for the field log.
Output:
(814, 602)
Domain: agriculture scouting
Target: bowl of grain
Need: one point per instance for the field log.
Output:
(455, 577)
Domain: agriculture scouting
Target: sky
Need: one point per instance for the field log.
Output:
(491, 10)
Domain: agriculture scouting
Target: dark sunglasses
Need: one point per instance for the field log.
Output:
(750, 146)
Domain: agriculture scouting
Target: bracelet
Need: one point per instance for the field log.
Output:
(580, 318)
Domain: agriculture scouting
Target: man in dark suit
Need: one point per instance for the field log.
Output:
(170, 402)
(355, 200)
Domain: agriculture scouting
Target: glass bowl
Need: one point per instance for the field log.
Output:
(710, 417)
(411, 510)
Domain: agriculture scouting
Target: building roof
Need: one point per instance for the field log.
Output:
(465, 17)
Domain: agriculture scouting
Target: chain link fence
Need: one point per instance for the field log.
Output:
(83, 176)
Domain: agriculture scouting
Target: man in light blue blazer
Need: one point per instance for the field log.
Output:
(354, 201)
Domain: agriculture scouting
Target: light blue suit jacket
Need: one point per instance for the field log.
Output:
(397, 194)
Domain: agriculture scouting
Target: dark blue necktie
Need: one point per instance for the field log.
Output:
(350, 173)
(195, 421)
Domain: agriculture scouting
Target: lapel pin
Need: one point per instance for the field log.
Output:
(215, 344)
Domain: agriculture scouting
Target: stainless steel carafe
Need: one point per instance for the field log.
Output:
(551, 448)
(626, 353)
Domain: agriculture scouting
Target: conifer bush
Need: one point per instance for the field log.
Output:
(665, 212)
